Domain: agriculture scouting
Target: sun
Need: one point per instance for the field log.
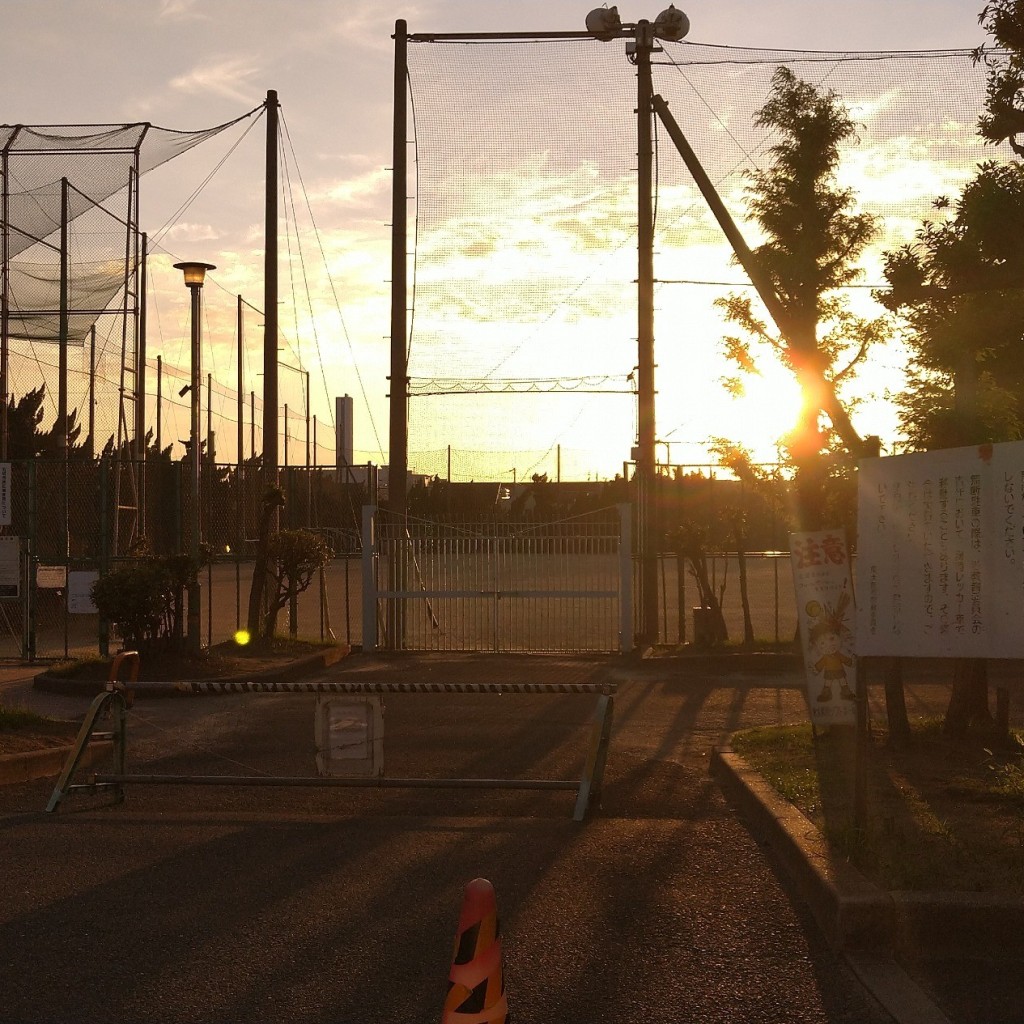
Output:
(765, 412)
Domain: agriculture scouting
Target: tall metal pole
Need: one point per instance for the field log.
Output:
(398, 445)
(270, 332)
(645, 468)
(5, 293)
(140, 387)
(62, 353)
(159, 402)
(240, 326)
(92, 391)
(193, 623)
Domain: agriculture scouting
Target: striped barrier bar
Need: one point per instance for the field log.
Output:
(209, 687)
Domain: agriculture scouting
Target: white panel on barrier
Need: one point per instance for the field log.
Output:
(350, 736)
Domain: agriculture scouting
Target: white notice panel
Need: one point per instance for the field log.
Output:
(940, 553)
(10, 566)
(80, 592)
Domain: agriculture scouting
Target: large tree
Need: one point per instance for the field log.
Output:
(814, 237)
(1003, 120)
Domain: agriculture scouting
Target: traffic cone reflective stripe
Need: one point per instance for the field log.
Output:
(476, 991)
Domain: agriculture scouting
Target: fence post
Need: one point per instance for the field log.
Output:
(625, 578)
(104, 626)
(369, 580)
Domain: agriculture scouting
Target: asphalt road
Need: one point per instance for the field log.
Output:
(266, 904)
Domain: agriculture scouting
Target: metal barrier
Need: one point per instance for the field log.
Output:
(118, 696)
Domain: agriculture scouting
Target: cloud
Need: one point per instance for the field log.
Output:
(224, 78)
(192, 233)
(182, 10)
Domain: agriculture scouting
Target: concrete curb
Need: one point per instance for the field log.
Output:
(47, 763)
(854, 913)
(290, 671)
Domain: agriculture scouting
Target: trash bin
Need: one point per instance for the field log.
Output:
(703, 627)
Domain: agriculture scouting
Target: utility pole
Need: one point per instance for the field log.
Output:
(270, 330)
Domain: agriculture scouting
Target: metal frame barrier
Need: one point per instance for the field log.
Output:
(119, 696)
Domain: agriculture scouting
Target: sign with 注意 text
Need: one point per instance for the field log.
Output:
(826, 617)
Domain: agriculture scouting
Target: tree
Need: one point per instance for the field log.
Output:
(1003, 120)
(957, 287)
(814, 238)
(294, 558)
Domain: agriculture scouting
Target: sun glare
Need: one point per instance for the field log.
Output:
(765, 412)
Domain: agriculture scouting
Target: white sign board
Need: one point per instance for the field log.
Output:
(5, 494)
(80, 592)
(940, 553)
(10, 566)
(827, 617)
(51, 577)
(350, 736)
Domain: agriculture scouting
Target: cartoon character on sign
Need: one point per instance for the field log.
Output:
(826, 633)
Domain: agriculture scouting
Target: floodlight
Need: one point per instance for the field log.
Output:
(671, 24)
(604, 23)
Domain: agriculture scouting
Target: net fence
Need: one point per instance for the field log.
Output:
(525, 247)
(70, 212)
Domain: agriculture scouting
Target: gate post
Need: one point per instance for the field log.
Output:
(369, 569)
(625, 578)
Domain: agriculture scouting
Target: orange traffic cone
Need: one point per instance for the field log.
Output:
(476, 990)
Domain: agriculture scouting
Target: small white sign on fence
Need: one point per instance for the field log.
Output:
(10, 566)
(51, 577)
(5, 494)
(80, 592)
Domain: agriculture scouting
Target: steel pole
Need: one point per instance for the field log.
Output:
(194, 597)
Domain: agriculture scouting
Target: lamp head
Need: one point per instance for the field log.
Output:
(195, 273)
(604, 23)
(671, 24)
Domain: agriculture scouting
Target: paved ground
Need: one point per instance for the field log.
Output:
(308, 905)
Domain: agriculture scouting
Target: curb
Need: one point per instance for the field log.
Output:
(289, 671)
(854, 913)
(47, 763)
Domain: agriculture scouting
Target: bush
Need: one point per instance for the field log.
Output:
(143, 599)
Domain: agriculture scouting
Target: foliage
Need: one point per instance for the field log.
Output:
(144, 598)
(294, 557)
(24, 418)
(1003, 120)
(957, 287)
(814, 237)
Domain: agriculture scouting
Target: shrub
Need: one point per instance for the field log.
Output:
(143, 599)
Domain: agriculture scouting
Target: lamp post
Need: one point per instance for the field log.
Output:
(195, 274)
(604, 23)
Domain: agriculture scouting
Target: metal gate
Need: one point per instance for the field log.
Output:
(563, 586)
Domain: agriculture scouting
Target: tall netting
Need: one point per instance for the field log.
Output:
(525, 262)
(69, 211)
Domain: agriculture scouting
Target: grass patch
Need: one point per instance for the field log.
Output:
(14, 719)
(941, 816)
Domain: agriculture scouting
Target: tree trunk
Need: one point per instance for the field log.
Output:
(748, 623)
(968, 702)
(708, 598)
(255, 621)
(895, 702)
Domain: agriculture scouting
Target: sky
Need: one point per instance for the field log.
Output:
(189, 64)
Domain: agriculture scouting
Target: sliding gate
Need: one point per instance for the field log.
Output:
(495, 585)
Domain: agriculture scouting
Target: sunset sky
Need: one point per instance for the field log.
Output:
(188, 64)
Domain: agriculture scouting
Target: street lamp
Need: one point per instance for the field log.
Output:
(672, 25)
(195, 274)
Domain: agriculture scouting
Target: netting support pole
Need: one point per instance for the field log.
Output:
(398, 441)
(270, 456)
(645, 340)
(5, 291)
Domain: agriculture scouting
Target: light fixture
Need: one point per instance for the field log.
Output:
(604, 23)
(671, 24)
(195, 273)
